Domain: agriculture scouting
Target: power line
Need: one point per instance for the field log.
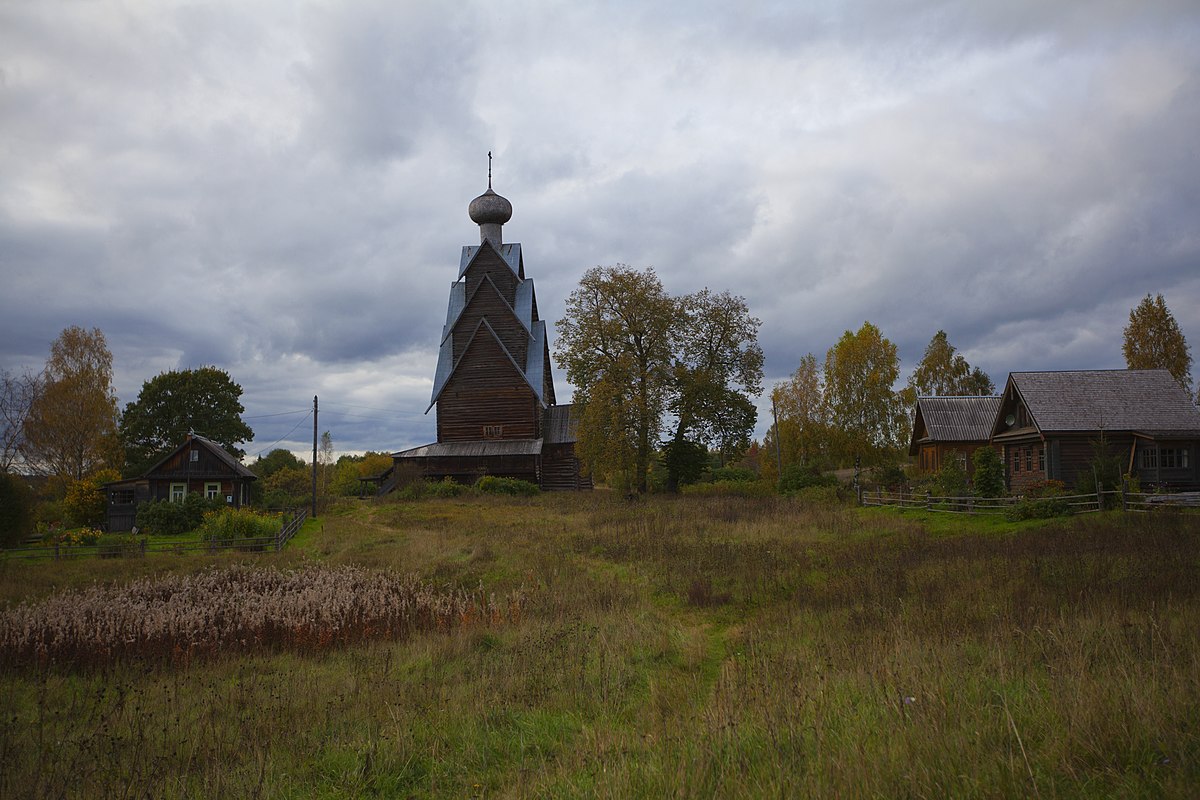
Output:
(281, 438)
(279, 414)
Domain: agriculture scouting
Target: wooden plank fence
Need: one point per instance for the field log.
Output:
(293, 520)
(1075, 503)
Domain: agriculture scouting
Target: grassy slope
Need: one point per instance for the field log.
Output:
(713, 647)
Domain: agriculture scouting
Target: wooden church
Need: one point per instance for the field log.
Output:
(493, 387)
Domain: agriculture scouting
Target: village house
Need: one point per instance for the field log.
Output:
(951, 427)
(1049, 425)
(197, 465)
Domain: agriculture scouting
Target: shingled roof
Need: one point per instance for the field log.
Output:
(954, 419)
(1140, 400)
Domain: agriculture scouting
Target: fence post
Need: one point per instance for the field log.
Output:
(928, 500)
(142, 547)
(1099, 499)
(1124, 499)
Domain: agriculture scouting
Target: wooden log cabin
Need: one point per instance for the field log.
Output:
(198, 465)
(956, 427)
(1050, 423)
(493, 387)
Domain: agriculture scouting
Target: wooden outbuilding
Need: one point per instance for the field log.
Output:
(1050, 423)
(951, 426)
(493, 387)
(198, 465)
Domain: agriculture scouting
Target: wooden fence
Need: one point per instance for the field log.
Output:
(1072, 503)
(138, 548)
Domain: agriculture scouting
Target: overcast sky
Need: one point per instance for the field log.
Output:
(280, 189)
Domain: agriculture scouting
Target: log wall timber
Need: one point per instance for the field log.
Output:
(487, 303)
(487, 390)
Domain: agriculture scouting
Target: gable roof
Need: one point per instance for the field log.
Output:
(215, 449)
(532, 374)
(459, 303)
(1141, 400)
(954, 419)
(510, 253)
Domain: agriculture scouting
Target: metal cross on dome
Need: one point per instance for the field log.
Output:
(489, 169)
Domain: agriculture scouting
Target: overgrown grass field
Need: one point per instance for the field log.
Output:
(584, 646)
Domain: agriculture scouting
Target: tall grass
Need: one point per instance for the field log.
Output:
(716, 646)
(242, 608)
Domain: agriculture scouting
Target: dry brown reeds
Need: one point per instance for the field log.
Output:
(236, 609)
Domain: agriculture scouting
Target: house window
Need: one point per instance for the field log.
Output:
(492, 431)
(121, 497)
(1028, 458)
(178, 492)
(1041, 459)
(1165, 457)
(195, 456)
(1016, 464)
(212, 491)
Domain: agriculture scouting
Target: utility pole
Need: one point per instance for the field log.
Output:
(314, 463)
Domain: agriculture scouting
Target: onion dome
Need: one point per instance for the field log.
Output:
(490, 209)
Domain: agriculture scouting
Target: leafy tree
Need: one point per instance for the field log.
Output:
(287, 487)
(174, 403)
(1153, 340)
(989, 472)
(274, 461)
(350, 468)
(615, 342)
(17, 395)
(944, 372)
(866, 417)
(86, 503)
(718, 367)
(71, 429)
(16, 510)
(325, 462)
(803, 430)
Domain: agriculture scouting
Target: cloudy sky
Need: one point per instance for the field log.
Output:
(280, 188)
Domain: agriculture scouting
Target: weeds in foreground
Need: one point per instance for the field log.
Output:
(232, 610)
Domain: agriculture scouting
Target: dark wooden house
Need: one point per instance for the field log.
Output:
(198, 465)
(1050, 423)
(951, 426)
(493, 387)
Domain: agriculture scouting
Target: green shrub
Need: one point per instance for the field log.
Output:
(801, 476)
(446, 487)
(16, 510)
(86, 502)
(234, 524)
(1038, 508)
(165, 518)
(825, 495)
(892, 476)
(952, 477)
(734, 474)
(729, 488)
(492, 484)
(989, 472)
(118, 545)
